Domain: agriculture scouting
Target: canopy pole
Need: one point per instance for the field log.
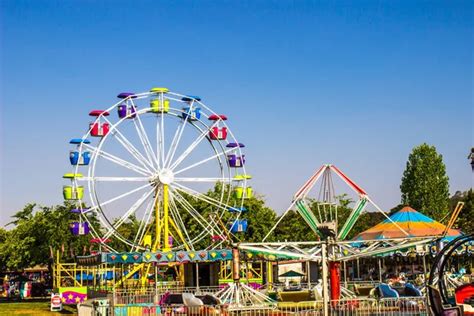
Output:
(325, 278)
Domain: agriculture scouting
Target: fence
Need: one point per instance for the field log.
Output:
(148, 304)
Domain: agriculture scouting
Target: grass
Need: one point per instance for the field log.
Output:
(33, 309)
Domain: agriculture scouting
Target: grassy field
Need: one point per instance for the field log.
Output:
(33, 309)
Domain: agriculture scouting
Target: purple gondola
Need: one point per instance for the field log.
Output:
(236, 161)
(79, 229)
(125, 111)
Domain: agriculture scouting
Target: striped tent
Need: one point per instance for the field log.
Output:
(413, 222)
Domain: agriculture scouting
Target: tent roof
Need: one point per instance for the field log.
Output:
(414, 223)
(291, 273)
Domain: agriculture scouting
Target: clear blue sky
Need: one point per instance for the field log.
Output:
(354, 83)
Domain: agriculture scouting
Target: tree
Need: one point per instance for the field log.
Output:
(465, 219)
(37, 230)
(425, 184)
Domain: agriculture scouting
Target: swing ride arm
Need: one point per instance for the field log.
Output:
(308, 216)
(358, 209)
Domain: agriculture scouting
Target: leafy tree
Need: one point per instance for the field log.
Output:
(293, 228)
(425, 184)
(3, 243)
(465, 220)
(37, 231)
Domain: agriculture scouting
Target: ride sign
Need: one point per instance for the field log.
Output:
(56, 302)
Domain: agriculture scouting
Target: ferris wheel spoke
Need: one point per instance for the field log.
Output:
(145, 220)
(115, 179)
(161, 153)
(130, 148)
(192, 211)
(179, 221)
(205, 160)
(200, 196)
(193, 145)
(144, 139)
(179, 226)
(97, 207)
(133, 151)
(127, 214)
(117, 160)
(177, 138)
(211, 180)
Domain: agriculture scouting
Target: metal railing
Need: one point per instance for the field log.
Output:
(406, 306)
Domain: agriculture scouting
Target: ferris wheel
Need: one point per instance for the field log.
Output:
(165, 161)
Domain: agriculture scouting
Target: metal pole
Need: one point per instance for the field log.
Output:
(325, 278)
(197, 276)
(424, 269)
(165, 218)
(308, 273)
(345, 274)
(156, 284)
(380, 270)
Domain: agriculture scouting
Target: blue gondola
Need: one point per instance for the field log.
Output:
(82, 159)
(239, 226)
(194, 114)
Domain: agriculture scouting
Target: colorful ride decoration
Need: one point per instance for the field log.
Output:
(414, 223)
(146, 157)
(73, 295)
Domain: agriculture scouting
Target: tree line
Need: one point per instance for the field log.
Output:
(37, 232)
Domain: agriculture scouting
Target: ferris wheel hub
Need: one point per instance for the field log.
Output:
(165, 176)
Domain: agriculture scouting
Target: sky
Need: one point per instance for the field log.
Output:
(353, 83)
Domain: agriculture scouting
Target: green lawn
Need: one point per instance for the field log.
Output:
(33, 309)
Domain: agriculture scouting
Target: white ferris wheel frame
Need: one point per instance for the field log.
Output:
(147, 167)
